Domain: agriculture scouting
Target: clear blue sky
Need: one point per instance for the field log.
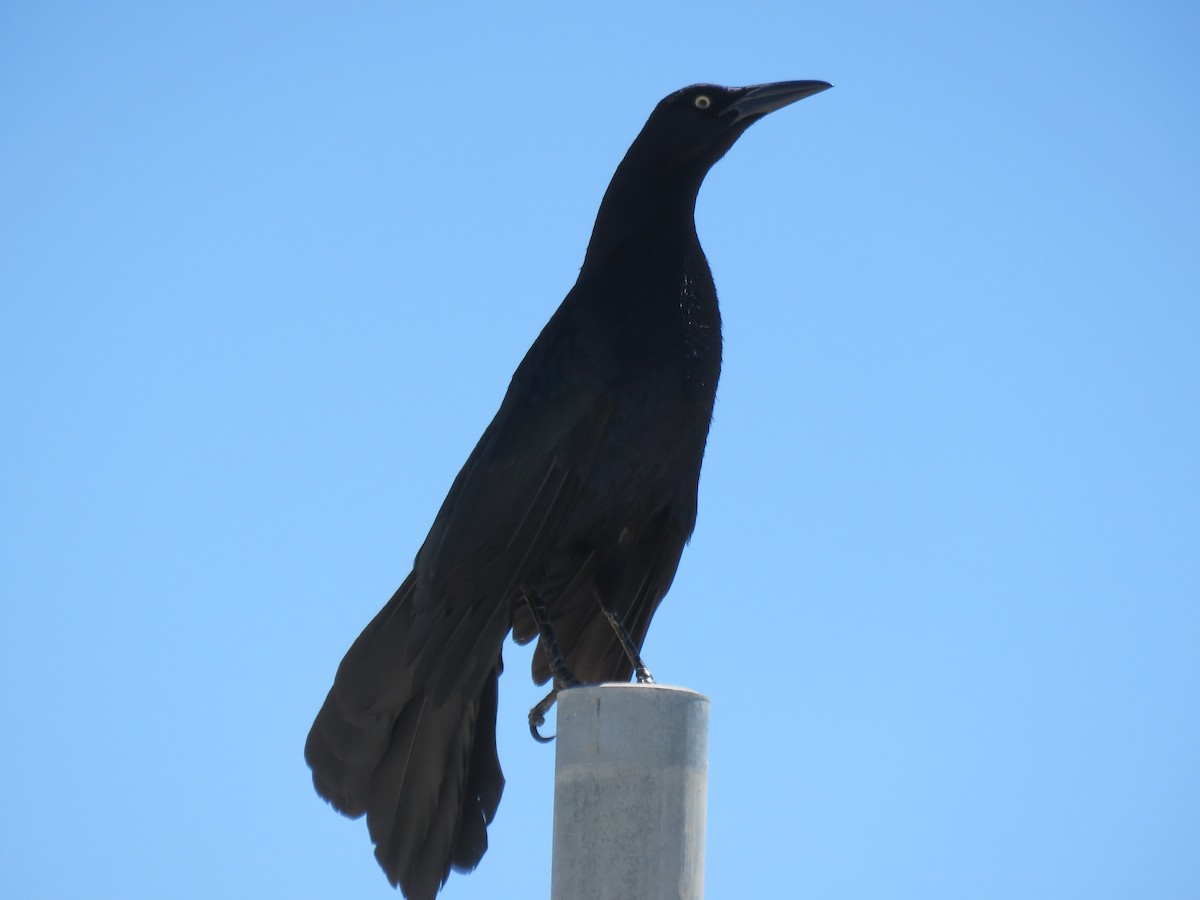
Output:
(266, 269)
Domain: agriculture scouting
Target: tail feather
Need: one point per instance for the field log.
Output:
(393, 819)
(343, 755)
(425, 773)
(484, 784)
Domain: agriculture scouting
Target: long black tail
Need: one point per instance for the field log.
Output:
(418, 758)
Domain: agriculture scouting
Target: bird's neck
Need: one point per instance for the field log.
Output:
(653, 205)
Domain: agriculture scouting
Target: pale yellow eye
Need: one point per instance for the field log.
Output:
(702, 102)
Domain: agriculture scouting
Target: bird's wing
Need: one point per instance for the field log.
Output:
(498, 523)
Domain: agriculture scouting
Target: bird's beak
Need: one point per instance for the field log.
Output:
(761, 99)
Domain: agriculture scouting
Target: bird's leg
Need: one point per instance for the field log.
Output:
(631, 651)
(558, 666)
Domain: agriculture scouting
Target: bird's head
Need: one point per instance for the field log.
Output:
(694, 127)
(660, 176)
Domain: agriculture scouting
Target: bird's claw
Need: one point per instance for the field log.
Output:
(536, 722)
(537, 716)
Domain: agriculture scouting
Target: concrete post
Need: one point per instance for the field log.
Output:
(630, 790)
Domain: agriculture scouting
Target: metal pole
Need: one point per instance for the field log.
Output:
(630, 789)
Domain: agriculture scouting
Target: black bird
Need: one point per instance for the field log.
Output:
(567, 521)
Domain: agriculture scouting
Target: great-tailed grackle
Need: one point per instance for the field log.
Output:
(567, 521)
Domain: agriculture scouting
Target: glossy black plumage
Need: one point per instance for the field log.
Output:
(582, 490)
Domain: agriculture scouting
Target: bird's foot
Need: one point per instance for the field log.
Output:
(537, 715)
(537, 718)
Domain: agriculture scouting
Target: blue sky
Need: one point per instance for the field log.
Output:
(266, 270)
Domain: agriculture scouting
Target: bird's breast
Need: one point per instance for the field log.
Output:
(662, 363)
